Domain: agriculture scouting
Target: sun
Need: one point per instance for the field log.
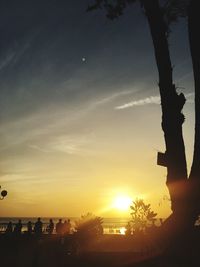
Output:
(122, 203)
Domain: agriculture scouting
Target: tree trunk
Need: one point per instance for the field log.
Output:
(194, 178)
(193, 30)
(172, 104)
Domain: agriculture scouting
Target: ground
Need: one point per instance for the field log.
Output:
(108, 250)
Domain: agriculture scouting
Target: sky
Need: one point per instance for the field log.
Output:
(80, 115)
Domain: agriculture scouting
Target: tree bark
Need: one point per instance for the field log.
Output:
(172, 104)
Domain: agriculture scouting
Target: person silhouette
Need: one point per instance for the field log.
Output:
(29, 227)
(9, 228)
(50, 227)
(38, 227)
(18, 227)
(68, 227)
(59, 227)
(64, 227)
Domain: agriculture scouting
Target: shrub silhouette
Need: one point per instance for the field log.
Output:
(89, 226)
(142, 217)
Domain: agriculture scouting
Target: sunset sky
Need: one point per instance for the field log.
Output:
(80, 112)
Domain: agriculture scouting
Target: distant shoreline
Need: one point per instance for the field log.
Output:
(115, 225)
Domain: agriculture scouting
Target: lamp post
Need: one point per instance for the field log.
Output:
(3, 194)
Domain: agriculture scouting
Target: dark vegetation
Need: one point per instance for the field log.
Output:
(142, 217)
(88, 227)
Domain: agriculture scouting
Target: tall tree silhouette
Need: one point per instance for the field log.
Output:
(191, 193)
(193, 190)
(184, 192)
(193, 21)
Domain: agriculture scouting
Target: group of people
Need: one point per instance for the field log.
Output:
(37, 228)
(63, 227)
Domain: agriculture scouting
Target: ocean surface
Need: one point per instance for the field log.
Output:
(110, 225)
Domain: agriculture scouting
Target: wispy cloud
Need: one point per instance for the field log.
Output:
(141, 102)
(70, 144)
(112, 97)
(13, 54)
(150, 100)
(38, 148)
(185, 76)
(7, 59)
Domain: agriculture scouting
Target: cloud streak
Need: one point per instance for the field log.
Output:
(13, 54)
(112, 97)
(150, 100)
(7, 60)
(75, 144)
(141, 102)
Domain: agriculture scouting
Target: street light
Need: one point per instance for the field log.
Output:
(3, 193)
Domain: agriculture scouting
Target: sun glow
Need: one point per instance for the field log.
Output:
(122, 203)
(122, 230)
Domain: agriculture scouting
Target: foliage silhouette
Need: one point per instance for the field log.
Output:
(142, 216)
(89, 226)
